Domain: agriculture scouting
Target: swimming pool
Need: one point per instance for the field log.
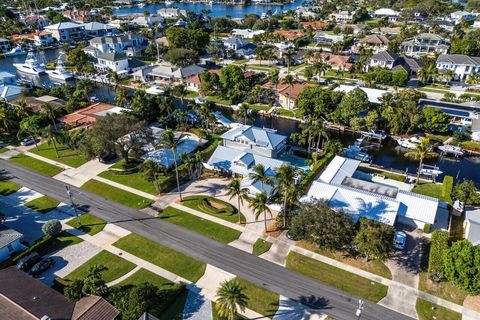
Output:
(164, 157)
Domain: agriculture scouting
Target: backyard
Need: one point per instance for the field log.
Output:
(36, 165)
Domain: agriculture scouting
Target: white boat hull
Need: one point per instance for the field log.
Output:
(63, 76)
(21, 68)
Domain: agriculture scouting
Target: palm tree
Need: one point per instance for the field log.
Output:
(180, 92)
(244, 112)
(289, 80)
(421, 152)
(50, 134)
(234, 189)
(285, 178)
(334, 147)
(114, 78)
(258, 204)
(231, 298)
(259, 173)
(151, 170)
(49, 112)
(308, 55)
(121, 97)
(168, 141)
(288, 56)
(322, 132)
(320, 68)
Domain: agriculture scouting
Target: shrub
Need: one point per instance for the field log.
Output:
(52, 227)
(447, 188)
(461, 263)
(426, 228)
(439, 243)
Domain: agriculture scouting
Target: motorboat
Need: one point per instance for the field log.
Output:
(30, 66)
(408, 143)
(155, 90)
(430, 171)
(141, 5)
(60, 73)
(451, 150)
(17, 51)
(356, 152)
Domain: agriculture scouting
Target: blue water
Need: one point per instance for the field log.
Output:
(216, 10)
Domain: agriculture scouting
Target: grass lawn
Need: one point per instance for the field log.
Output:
(8, 187)
(162, 256)
(260, 247)
(43, 204)
(218, 100)
(228, 213)
(175, 310)
(373, 266)
(116, 265)
(260, 300)
(431, 189)
(118, 195)
(205, 227)
(341, 279)
(287, 113)
(67, 156)
(259, 107)
(142, 276)
(135, 180)
(36, 165)
(298, 66)
(89, 223)
(263, 68)
(429, 311)
(3, 149)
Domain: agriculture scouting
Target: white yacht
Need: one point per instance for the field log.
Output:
(30, 66)
(17, 51)
(60, 73)
(451, 150)
(408, 143)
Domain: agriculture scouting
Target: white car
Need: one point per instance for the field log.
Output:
(27, 142)
(400, 239)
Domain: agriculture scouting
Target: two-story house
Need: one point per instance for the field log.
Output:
(148, 21)
(241, 47)
(97, 29)
(114, 61)
(425, 44)
(374, 42)
(40, 39)
(131, 44)
(391, 61)
(342, 16)
(66, 31)
(461, 65)
(172, 13)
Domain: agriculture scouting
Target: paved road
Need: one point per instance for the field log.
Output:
(316, 295)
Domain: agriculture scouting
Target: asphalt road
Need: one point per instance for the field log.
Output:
(315, 295)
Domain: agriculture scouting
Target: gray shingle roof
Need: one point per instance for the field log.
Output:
(459, 59)
(385, 56)
(112, 56)
(8, 236)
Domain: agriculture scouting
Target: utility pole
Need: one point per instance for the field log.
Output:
(69, 192)
(358, 313)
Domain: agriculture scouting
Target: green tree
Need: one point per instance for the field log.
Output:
(168, 141)
(244, 112)
(187, 38)
(318, 223)
(259, 174)
(234, 189)
(462, 266)
(421, 152)
(400, 77)
(208, 83)
(285, 184)
(180, 91)
(234, 85)
(438, 245)
(231, 299)
(466, 192)
(50, 134)
(352, 104)
(31, 126)
(435, 120)
(374, 240)
(52, 227)
(152, 170)
(50, 113)
(259, 205)
(181, 57)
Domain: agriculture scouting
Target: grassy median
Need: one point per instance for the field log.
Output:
(36, 165)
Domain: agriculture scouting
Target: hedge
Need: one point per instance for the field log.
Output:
(447, 188)
(317, 168)
(439, 243)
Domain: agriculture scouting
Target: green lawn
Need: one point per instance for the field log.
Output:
(137, 180)
(3, 149)
(298, 66)
(116, 265)
(260, 247)
(175, 310)
(88, 223)
(431, 189)
(218, 100)
(259, 107)
(8, 187)
(162, 256)
(66, 156)
(260, 300)
(262, 68)
(215, 315)
(341, 279)
(427, 310)
(36, 165)
(118, 195)
(43, 204)
(201, 203)
(141, 276)
(205, 227)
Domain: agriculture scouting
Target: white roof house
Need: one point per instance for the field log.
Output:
(386, 12)
(254, 135)
(246, 33)
(472, 225)
(348, 191)
(374, 95)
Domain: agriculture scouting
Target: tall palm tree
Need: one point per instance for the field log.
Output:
(50, 134)
(234, 189)
(285, 178)
(180, 92)
(168, 141)
(288, 56)
(121, 97)
(334, 147)
(244, 112)
(231, 298)
(289, 80)
(151, 170)
(320, 68)
(258, 204)
(259, 173)
(421, 152)
(49, 112)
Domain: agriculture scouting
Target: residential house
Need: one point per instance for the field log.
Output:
(343, 16)
(305, 12)
(35, 104)
(40, 39)
(476, 23)
(290, 35)
(314, 25)
(4, 45)
(461, 65)
(457, 16)
(148, 21)
(373, 42)
(374, 96)
(66, 31)
(97, 29)
(24, 297)
(471, 225)
(442, 23)
(390, 14)
(351, 28)
(9, 242)
(246, 33)
(322, 38)
(86, 117)
(166, 72)
(288, 94)
(117, 62)
(193, 81)
(337, 62)
(240, 47)
(9, 89)
(392, 61)
(346, 188)
(79, 16)
(37, 21)
(172, 13)
(425, 44)
(388, 31)
(131, 44)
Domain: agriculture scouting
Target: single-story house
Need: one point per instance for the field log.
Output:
(86, 117)
(471, 225)
(9, 242)
(374, 95)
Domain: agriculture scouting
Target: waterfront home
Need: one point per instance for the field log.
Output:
(461, 65)
(289, 35)
(246, 33)
(9, 89)
(305, 13)
(172, 13)
(373, 42)
(457, 16)
(36, 103)
(86, 117)
(259, 141)
(148, 21)
(234, 43)
(9, 242)
(350, 190)
(425, 44)
(131, 44)
(392, 61)
(390, 14)
(117, 62)
(66, 31)
(37, 21)
(314, 25)
(97, 29)
(166, 72)
(389, 31)
(24, 297)
(40, 39)
(373, 95)
(4, 45)
(240, 47)
(471, 225)
(321, 38)
(288, 94)
(343, 16)
(79, 16)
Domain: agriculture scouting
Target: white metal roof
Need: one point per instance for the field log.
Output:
(338, 169)
(417, 207)
(255, 135)
(374, 95)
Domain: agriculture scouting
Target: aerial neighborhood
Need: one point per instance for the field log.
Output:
(226, 159)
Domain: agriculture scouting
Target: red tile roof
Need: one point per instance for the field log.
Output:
(87, 116)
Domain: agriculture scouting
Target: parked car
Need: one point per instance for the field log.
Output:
(107, 157)
(400, 239)
(28, 261)
(41, 266)
(27, 142)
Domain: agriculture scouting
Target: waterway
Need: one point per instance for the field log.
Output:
(215, 10)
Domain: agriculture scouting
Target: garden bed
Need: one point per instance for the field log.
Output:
(213, 207)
